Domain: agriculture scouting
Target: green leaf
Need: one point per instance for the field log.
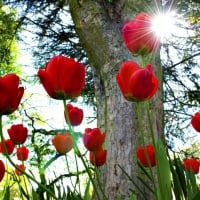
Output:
(6, 195)
(87, 191)
(133, 196)
(145, 184)
(145, 171)
(119, 196)
(34, 195)
(178, 177)
(163, 172)
(140, 192)
(197, 196)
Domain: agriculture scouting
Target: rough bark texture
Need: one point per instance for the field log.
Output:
(98, 24)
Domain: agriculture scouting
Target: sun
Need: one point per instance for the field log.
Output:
(164, 24)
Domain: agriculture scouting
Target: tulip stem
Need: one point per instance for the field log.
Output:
(13, 164)
(77, 151)
(150, 122)
(140, 124)
(50, 161)
(139, 116)
(99, 182)
(144, 60)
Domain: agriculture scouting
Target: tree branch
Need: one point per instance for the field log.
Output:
(184, 60)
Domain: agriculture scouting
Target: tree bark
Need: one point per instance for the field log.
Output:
(98, 25)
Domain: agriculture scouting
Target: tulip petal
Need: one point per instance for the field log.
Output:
(46, 82)
(143, 84)
(2, 170)
(124, 75)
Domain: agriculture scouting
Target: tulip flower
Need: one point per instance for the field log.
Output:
(136, 83)
(138, 35)
(63, 78)
(10, 94)
(191, 164)
(195, 121)
(98, 158)
(9, 147)
(63, 143)
(22, 167)
(75, 114)
(22, 153)
(2, 170)
(18, 133)
(146, 155)
(93, 139)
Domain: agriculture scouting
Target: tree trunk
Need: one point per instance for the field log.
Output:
(98, 25)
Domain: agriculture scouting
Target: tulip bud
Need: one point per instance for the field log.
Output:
(146, 155)
(63, 143)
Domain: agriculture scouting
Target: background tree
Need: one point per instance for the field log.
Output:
(101, 22)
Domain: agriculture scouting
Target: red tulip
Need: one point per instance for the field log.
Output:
(195, 121)
(2, 170)
(18, 133)
(136, 83)
(98, 158)
(22, 153)
(22, 167)
(10, 94)
(138, 35)
(191, 164)
(63, 78)
(63, 143)
(9, 146)
(75, 114)
(93, 139)
(146, 155)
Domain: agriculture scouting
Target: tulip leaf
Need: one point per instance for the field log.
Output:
(178, 176)
(192, 185)
(163, 172)
(145, 184)
(77, 136)
(34, 195)
(140, 192)
(133, 197)
(119, 196)
(197, 196)
(6, 195)
(145, 171)
(87, 191)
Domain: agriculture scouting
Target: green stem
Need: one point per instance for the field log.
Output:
(49, 162)
(139, 116)
(144, 60)
(99, 183)
(68, 168)
(77, 151)
(13, 164)
(140, 124)
(77, 169)
(150, 122)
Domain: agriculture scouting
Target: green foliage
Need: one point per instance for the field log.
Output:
(6, 194)
(8, 48)
(163, 172)
(184, 185)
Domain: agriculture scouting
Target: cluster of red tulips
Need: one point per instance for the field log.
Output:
(18, 135)
(67, 87)
(11, 95)
(138, 83)
(64, 78)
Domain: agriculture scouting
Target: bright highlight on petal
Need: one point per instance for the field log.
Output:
(164, 24)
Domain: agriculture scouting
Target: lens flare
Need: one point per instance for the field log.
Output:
(164, 24)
